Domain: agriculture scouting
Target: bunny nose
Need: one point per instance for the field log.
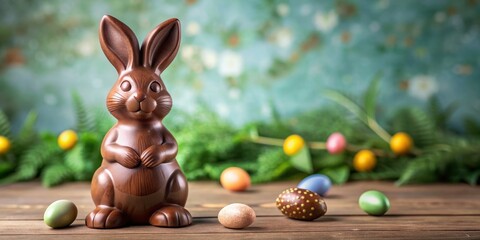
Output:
(140, 96)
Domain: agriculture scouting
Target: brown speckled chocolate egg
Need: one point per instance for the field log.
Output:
(301, 204)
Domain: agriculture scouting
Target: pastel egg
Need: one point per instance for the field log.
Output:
(374, 203)
(235, 179)
(318, 183)
(60, 214)
(301, 204)
(236, 216)
(336, 143)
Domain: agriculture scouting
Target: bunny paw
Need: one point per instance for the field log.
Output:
(105, 217)
(171, 216)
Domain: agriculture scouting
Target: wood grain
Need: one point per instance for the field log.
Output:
(265, 235)
(439, 211)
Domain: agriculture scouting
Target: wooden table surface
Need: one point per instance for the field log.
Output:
(439, 211)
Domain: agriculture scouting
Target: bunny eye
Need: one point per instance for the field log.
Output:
(125, 86)
(155, 87)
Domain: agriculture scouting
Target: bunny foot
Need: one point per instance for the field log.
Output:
(171, 216)
(105, 217)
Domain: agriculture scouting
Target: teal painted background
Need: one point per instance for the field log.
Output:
(245, 58)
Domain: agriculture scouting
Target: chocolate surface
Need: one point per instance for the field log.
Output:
(139, 181)
(301, 204)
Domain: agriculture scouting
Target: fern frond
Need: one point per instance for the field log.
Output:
(4, 125)
(370, 97)
(456, 162)
(271, 165)
(28, 128)
(360, 113)
(90, 144)
(418, 124)
(6, 167)
(440, 114)
(34, 160)
(103, 121)
(421, 170)
(472, 126)
(423, 127)
(85, 122)
(75, 160)
(56, 174)
(347, 103)
(27, 135)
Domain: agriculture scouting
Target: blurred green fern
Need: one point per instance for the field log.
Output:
(440, 155)
(85, 122)
(208, 144)
(56, 174)
(4, 125)
(33, 155)
(417, 124)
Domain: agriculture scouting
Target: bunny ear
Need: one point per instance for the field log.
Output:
(161, 45)
(118, 43)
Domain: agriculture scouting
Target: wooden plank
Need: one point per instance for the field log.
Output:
(439, 211)
(29, 200)
(262, 235)
(268, 224)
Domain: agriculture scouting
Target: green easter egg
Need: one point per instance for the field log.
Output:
(374, 203)
(60, 214)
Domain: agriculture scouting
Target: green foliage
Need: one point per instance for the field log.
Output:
(85, 122)
(202, 142)
(439, 155)
(28, 132)
(56, 174)
(20, 144)
(338, 175)
(302, 160)
(453, 162)
(417, 124)
(27, 135)
(439, 114)
(472, 127)
(4, 125)
(370, 98)
(326, 160)
(312, 125)
(75, 161)
(33, 155)
(273, 164)
(35, 159)
(348, 103)
(336, 167)
(208, 145)
(6, 167)
(103, 121)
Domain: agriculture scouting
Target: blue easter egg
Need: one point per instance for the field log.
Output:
(318, 183)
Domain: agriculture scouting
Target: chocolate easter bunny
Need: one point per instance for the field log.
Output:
(139, 181)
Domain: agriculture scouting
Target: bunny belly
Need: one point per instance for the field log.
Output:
(138, 139)
(140, 191)
(138, 209)
(140, 181)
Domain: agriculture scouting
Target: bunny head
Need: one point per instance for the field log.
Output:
(139, 93)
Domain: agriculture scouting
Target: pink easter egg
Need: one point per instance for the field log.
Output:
(336, 143)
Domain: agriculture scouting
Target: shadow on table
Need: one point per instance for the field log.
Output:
(326, 219)
(333, 196)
